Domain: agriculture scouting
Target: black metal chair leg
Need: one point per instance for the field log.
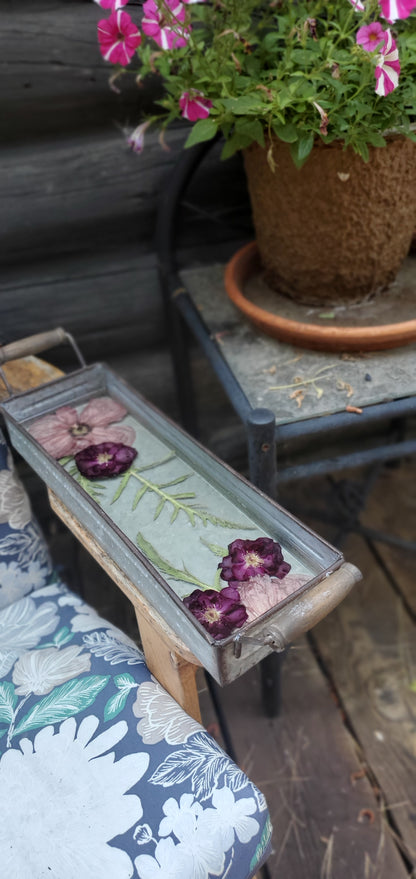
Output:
(271, 678)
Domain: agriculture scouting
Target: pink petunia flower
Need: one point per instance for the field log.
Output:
(111, 4)
(66, 432)
(358, 5)
(218, 612)
(163, 21)
(394, 9)
(261, 593)
(388, 67)
(194, 106)
(371, 35)
(118, 37)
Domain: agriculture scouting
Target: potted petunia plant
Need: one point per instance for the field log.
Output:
(320, 96)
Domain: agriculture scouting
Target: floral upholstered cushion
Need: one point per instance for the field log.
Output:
(25, 564)
(103, 774)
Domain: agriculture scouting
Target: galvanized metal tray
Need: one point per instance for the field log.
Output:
(168, 541)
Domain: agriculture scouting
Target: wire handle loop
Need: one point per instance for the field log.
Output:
(34, 345)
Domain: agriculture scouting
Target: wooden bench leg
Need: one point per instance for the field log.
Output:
(176, 674)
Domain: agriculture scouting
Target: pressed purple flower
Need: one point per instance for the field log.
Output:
(247, 558)
(218, 612)
(105, 460)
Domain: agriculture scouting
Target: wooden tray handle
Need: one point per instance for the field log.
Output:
(312, 607)
(37, 343)
(308, 609)
(32, 344)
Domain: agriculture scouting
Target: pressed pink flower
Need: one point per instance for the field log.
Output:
(136, 139)
(261, 592)
(104, 460)
(118, 37)
(388, 67)
(218, 612)
(67, 432)
(163, 21)
(394, 9)
(194, 106)
(371, 35)
(247, 558)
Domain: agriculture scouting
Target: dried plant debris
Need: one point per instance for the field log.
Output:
(345, 386)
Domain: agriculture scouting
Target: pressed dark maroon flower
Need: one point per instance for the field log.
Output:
(104, 460)
(247, 558)
(219, 612)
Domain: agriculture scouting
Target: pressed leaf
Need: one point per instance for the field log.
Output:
(219, 551)
(164, 566)
(165, 460)
(159, 508)
(122, 485)
(176, 481)
(142, 491)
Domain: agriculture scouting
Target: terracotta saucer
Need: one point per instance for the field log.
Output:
(292, 322)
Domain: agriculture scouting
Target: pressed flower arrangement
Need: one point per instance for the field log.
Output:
(95, 445)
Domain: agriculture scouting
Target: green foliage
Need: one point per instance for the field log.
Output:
(166, 568)
(291, 68)
(176, 502)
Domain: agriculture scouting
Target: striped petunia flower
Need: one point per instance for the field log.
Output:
(163, 21)
(118, 37)
(395, 9)
(388, 67)
(111, 4)
(194, 106)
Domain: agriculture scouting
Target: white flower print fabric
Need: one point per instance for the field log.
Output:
(102, 772)
(102, 768)
(74, 801)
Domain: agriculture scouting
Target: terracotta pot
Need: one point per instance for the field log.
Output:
(335, 231)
